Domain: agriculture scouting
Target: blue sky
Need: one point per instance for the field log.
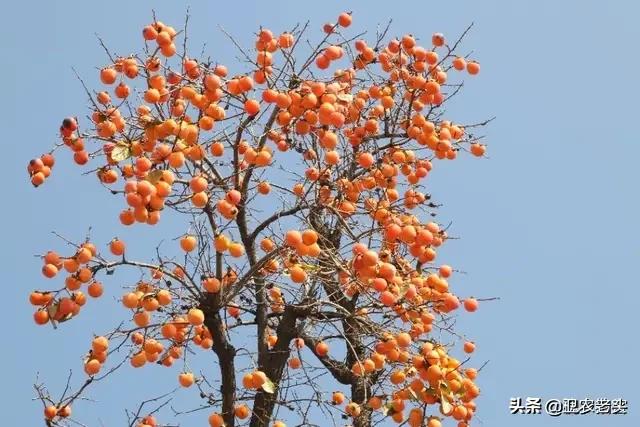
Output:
(548, 223)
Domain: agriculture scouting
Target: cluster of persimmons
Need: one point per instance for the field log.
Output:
(199, 139)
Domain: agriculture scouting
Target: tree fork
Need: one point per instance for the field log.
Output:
(226, 353)
(275, 363)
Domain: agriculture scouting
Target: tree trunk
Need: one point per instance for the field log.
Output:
(360, 387)
(226, 355)
(274, 364)
(360, 394)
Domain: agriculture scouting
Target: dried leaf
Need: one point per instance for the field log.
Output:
(52, 310)
(65, 318)
(309, 267)
(402, 289)
(386, 408)
(445, 406)
(269, 386)
(120, 152)
(154, 176)
(413, 394)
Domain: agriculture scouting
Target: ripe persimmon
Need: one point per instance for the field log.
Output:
(242, 411)
(100, 344)
(95, 289)
(200, 199)
(92, 367)
(322, 349)
(459, 63)
(236, 250)
(130, 300)
(117, 247)
(84, 274)
(50, 412)
(252, 107)
(198, 184)
(247, 380)
(216, 420)
(469, 347)
(211, 284)
(470, 304)
(195, 316)
(188, 243)
(49, 270)
(309, 237)
(298, 275)
(365, 160)
(337, 398)
(163, 297)
(293, 238)
(258, 378)
(142, 319)
(294, 363)
(233, 197)
(150, 303)
(41, 317)
(387, 298)
(186, 379)
(65, 411)
(403, 339)
(353, 409)
(345, 19)
(222, 243)
(264, 187)
(138, 360)
(108, 75)
(477, 149)
(473, 67)
(150, 421)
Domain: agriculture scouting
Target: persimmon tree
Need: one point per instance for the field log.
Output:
(306, 265)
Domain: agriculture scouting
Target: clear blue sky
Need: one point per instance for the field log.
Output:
(548, 223)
